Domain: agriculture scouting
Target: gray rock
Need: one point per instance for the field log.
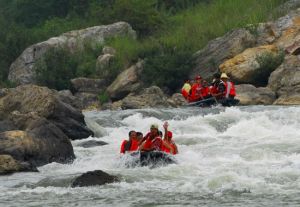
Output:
(177, 100)
(285, 81)
(22, 69)
(67, 97)
(102, 65)
(250, 95)
(109, 50)
(88, 100)
(88, 85)
(44, 103)
(93, 178)
(149, 97)
(92, 143)
(220, 49)
(126, 82)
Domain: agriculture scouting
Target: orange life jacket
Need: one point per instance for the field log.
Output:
(167, 150)
(155, 143)
(196, 92)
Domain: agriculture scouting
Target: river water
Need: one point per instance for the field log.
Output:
(239, 156)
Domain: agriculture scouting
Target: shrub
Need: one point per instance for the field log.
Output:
(103, 97)
(167, 69)
(268, 62)
(56, 68)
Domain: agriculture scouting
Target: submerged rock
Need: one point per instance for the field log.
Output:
(93, 178)
(92, 143)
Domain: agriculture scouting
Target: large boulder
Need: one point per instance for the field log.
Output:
(45, 103)
(149, 97)
(126, 82)
(220, 49)
(285, 81)
(245, 68)
(43, 144)
(250, 95)
(22, 70)
(9, 165)
(93, 178)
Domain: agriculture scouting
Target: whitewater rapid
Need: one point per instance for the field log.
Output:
(239, 156)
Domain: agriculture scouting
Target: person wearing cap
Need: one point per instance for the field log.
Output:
(169, 145)
(229, 87)
(130, 145)
(152, 141)
(196, 90)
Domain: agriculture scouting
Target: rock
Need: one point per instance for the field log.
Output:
(45, 103)
(98, 130)
(37, 141)
(92, 143)
(284, 32)
(67, 97)
(149, 97)
(285, 81)
(88, 85)
(109, 50)
(177, 100)
(126, 82)
(244, 68)
(22, 69)
(88, 100)
(250, 95)
(102, 65)
(92, 178)
(9, 165)
(219, 50)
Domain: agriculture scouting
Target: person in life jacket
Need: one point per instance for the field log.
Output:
(130, 145)
(196, 90)
(229, 87)
(186, 89)
(169, 145)
(152, 141)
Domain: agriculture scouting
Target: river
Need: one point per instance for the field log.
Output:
(239, 156)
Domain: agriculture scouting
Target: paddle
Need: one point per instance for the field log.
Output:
(202, 101)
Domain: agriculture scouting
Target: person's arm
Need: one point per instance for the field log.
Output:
(167, 145)
(175, 148)
(166, 130)
(122, 151)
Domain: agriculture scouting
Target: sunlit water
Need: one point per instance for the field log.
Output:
(240, 156)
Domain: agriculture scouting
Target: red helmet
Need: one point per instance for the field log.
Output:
(197, 77)
(170, 134)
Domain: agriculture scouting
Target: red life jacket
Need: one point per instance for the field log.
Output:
(155, 143)
(205, 92)
(129, 146)
(167, 150)
(230, 89)
(196, 92)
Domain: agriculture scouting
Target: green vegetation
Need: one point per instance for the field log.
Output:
(103, 97)
(169, 32)
(268, 62)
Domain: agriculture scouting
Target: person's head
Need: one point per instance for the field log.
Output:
(132, 135)
(198, 79)
(154, 129)
(139, 135)
(205, 83)
(188, 81)
(224, 77)
(217, 76)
